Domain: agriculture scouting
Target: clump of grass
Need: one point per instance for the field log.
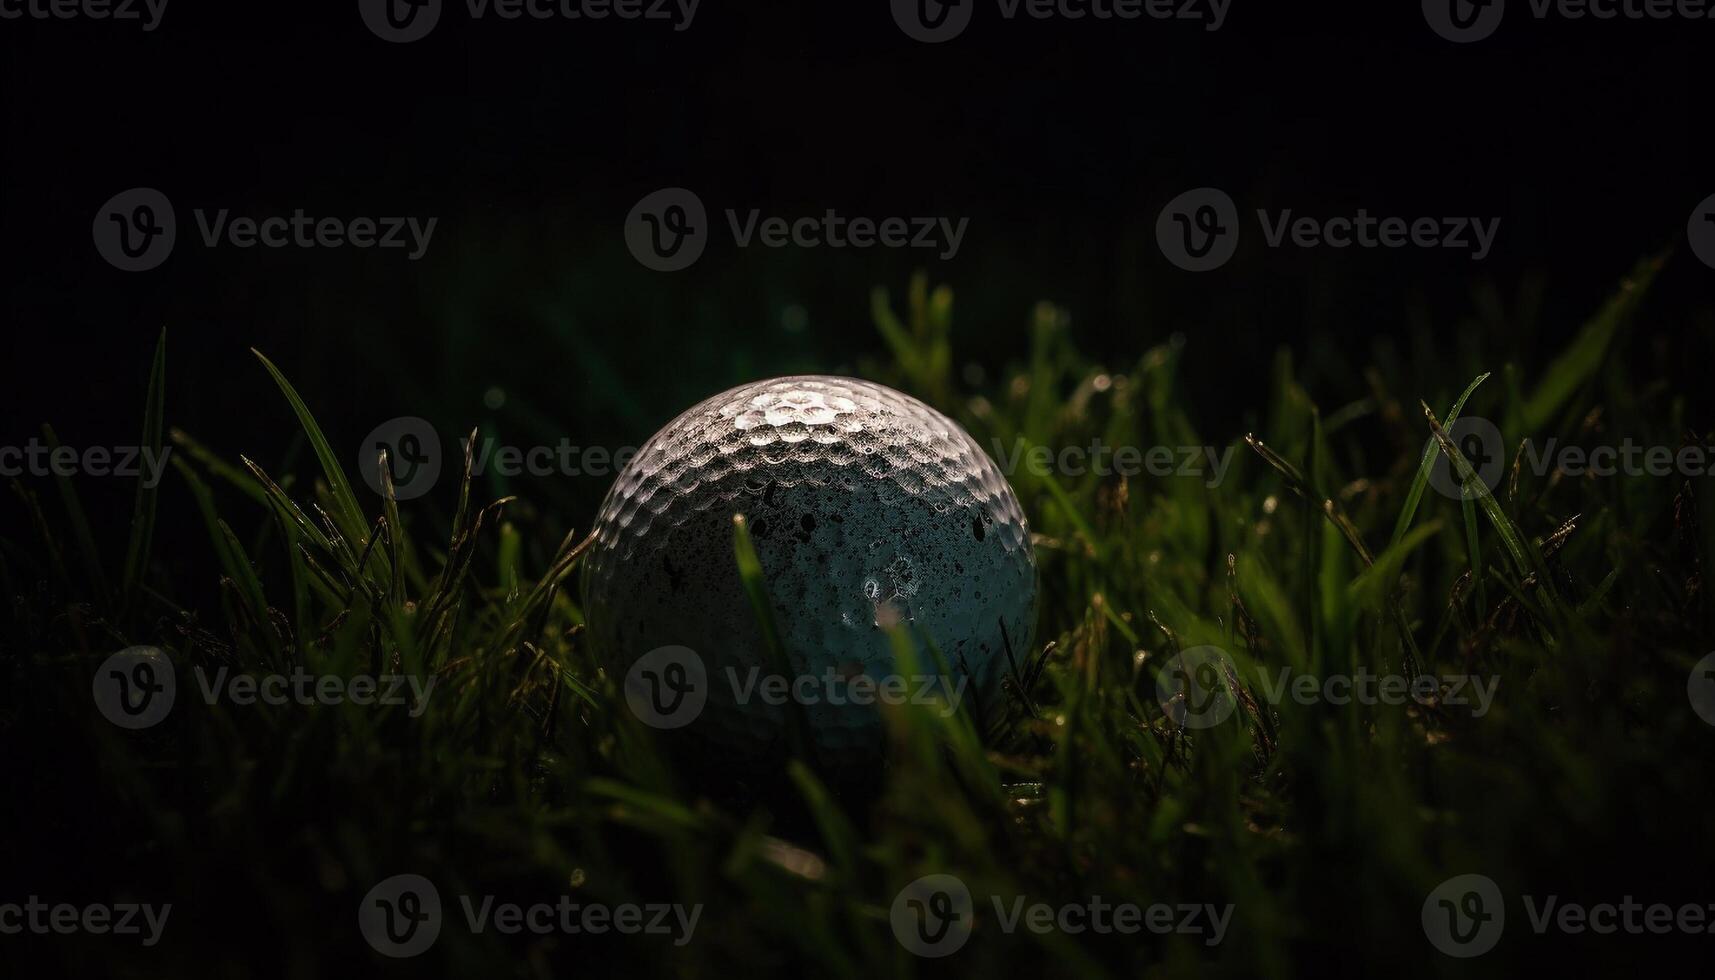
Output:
(524, 776)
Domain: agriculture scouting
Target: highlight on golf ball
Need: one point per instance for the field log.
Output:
(868, 510)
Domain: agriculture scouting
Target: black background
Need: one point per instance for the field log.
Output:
(1060, 141)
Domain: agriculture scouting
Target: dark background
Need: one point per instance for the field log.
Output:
(530, 141)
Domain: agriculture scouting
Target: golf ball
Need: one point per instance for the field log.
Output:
(869, 509)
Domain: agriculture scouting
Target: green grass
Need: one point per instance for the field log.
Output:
(1324, 826)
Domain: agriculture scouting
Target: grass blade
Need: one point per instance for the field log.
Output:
(756, 589)
(346, 511)
(1473, 551)
(1420, 482)
(79, 523)
(143, 511)
(1579, 362)
(1526, 558)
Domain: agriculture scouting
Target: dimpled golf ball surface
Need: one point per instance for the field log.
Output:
(868, 509)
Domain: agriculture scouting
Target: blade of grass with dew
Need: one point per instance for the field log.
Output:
(395, 531)
(751, 576)
(1331, 510)
(1527, 559)
(564, 561)
(1473, 548)
(1426, 465)
(347, 513)
(286, 509)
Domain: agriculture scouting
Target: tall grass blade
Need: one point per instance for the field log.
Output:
(143, 510)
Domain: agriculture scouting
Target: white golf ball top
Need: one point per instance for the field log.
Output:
(868, 509)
